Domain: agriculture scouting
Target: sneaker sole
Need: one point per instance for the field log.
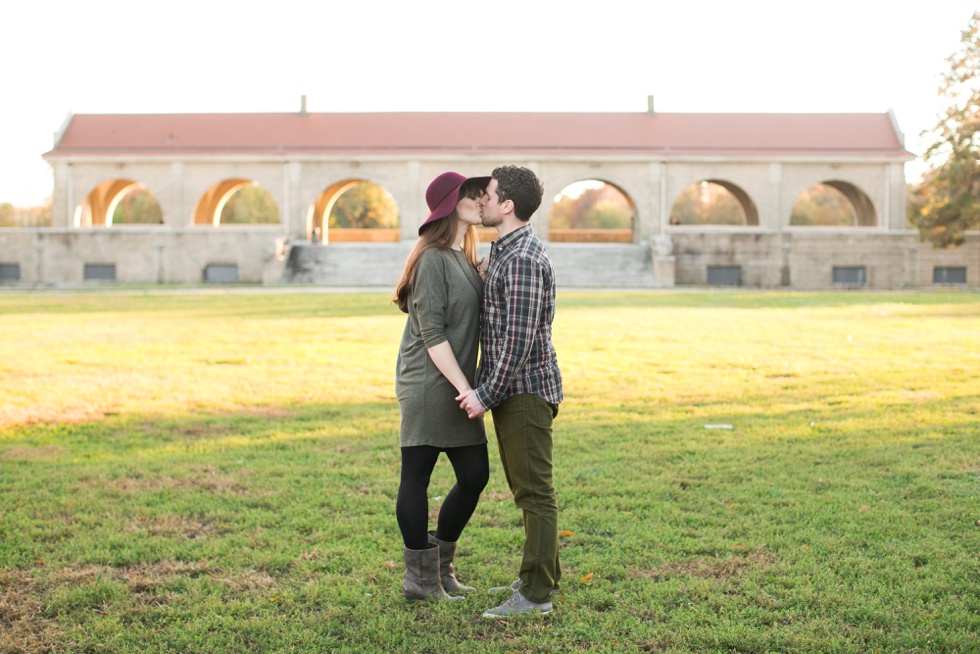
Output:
(494, 616)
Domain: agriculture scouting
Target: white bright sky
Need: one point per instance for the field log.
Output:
(180, 56)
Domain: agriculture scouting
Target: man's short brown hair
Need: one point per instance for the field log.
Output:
(522, 187)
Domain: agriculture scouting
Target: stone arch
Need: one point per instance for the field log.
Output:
(99, 206)
(862, 211)
(714, 193)
(209, 207)
(318, 216)
(614, 223)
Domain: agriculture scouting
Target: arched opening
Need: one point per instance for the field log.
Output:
(118, 202)
(135, 206)
(354, 210)
(236, 202)
(714, 202)
(833, 204)
(593, 211)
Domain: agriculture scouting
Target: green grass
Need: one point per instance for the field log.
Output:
(216, 472)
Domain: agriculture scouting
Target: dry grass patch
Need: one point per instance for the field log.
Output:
(22, 626)
(732, 568)
(21, 453)
(171, 526)
(202, 478)
(27, 597)
(247, 580)
(26, 416)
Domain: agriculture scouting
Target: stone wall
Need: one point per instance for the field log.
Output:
(805, 259)
(799, 259)
(138, 255)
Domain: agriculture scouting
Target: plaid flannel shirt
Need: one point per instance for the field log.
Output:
(518, 309)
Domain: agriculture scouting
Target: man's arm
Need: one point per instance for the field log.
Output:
(523, 305)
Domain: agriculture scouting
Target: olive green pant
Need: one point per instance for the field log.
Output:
(524, 438)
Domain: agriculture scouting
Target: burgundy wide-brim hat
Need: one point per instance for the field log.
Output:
(443, 194)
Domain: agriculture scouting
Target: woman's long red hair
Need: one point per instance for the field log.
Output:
(440, 234)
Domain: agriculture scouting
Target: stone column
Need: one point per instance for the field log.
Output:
(411, 201)
(771, 216)
(895, 187)
(294, 220)
(171, 199)
(650, 221)
(62, 210)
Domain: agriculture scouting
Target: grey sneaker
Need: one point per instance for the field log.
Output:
(510, 589)
(514, 586)
(516, 605)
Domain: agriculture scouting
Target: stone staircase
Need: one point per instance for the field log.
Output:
(585, 265)
(346, 264)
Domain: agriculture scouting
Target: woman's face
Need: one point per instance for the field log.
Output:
(468, 211)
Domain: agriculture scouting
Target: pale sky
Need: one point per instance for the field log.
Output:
(108, 56)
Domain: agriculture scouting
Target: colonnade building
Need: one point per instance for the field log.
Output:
(192, 165)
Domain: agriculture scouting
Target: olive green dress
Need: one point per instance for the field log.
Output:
(444, 305)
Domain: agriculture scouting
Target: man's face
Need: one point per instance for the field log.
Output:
(490, 206)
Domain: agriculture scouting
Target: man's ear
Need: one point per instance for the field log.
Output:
(507, 206)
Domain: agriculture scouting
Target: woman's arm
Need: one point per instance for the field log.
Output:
(442, 355)
(429, 303)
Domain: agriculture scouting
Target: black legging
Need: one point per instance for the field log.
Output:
(472, 468)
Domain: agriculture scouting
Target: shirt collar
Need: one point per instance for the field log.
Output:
(512, 237)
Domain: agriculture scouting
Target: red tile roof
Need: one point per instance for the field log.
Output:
(764, 135)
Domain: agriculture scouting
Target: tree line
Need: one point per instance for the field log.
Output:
(38, 216)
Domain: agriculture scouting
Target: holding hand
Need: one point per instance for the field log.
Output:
(469, 403)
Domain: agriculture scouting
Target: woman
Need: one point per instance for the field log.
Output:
(441, 291)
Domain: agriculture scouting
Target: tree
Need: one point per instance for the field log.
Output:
(707, 203)
(42, 213)
(138, 206)
(250, 205)
(824, 206)
(947, 201)
(7, 215)
(600, 207)
(37, 216)
(364, 206)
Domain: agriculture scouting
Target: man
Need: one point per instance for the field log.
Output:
(518, 378)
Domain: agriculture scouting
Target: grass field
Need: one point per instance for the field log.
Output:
(216, 472)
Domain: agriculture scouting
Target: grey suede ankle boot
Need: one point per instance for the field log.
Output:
(447, 574)
(422, 575)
